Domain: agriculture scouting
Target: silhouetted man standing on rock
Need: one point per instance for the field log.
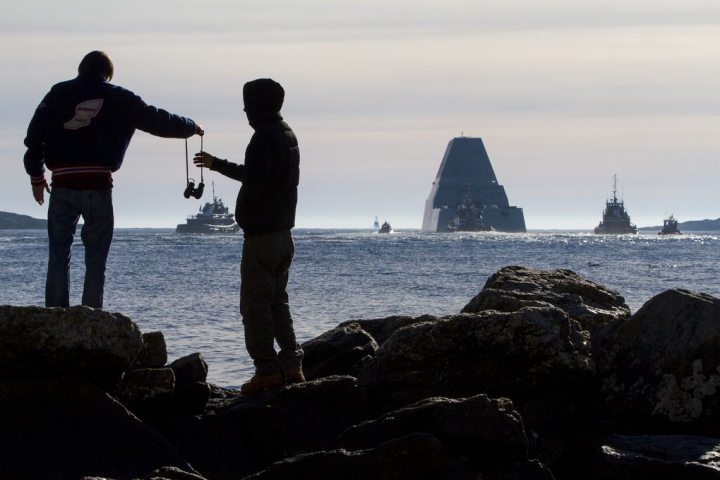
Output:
(265, 210)
(80, 132)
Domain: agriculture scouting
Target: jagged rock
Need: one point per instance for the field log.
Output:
(529, 341)
(154, 351)
(417, 456)
(145, 384)
(383, 328)
(664, 362)
(485, 435)
(243, 434)
(658, 457)
(190, 399)
(191, 392)
(41, 342)
(512, 288)
(190, 369)
(337, 352)
(536, 356)
(172, 473)
(69, 428)
(491, 352)
(153, 392)
(473, 424)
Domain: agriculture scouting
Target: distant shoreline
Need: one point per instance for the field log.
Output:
(13, 221)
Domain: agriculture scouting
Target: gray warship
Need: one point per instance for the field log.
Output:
(466, 196)
(214, 217)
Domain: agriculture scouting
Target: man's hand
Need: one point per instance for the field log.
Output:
(39, 192)
(203, 159)
(199, 130)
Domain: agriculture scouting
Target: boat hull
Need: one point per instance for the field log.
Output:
(207, 228)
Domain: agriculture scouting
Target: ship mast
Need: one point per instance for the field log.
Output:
(615, 188)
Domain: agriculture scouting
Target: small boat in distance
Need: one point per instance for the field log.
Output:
(386, 228)
(615, 220)
(670, 227)
(376, 224)
(213, 218)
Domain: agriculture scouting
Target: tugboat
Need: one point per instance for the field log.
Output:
(386, 228)
(615, 219)
(213, 218)
(670, 227)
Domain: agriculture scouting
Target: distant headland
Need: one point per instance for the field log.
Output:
(13, 221)
(691, 226)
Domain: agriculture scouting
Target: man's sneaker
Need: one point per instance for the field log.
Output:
(294, 377)
(259, 383)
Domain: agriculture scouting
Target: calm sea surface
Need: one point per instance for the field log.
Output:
(187, 286)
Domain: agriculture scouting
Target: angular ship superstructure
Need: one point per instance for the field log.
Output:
(466, 185)
(615, 220)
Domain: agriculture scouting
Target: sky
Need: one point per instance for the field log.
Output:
(564, 93)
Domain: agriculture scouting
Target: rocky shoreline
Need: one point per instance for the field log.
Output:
(542, 375)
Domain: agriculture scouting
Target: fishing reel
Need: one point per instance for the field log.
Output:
(191, 191)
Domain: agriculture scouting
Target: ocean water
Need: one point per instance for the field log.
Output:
(187, 286)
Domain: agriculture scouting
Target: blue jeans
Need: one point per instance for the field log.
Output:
(264, 304)
(65, 208)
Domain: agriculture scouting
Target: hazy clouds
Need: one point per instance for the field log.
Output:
(564, 95)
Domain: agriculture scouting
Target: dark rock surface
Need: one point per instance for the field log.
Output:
(664, 362)
(68, 427)
(417, 456)
(659, 457)
(339, 351)
(586, 302)
(492, 352)
(543, 375)
(153, 353)
(80, 341)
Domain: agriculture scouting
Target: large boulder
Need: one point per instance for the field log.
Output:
(70, 428)
(176, 390)
(383, 328)
(42, 342)
(339, 351)
(664, 362)
(414, 457)
(154, 351)
(537, 356)
(491, 352)
(145, 384)
(243, 434)
(481, 437)
(512, 288)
